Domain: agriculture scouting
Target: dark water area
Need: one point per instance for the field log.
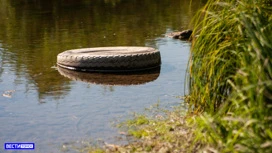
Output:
(49, 106)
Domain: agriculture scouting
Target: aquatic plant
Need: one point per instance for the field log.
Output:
(231, 76)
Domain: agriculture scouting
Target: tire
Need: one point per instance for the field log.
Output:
(110, 59)
(123, 79)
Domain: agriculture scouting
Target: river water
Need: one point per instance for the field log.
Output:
(52, 107)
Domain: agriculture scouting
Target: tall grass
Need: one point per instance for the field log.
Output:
(231, 76)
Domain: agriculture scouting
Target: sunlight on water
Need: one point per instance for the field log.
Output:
(42, 104)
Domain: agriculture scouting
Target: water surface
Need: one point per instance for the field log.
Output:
(40, 104)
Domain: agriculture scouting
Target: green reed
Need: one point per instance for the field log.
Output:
(231, 76)
(214, 56)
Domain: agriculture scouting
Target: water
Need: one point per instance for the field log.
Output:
(39, 104)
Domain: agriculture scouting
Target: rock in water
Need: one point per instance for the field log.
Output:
(185, 34)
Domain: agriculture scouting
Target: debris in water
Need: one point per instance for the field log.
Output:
(8, 93)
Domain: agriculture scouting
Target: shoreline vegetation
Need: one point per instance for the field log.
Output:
(231, 77)
(229, 105)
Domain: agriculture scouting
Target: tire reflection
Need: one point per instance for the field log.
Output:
(125, 79)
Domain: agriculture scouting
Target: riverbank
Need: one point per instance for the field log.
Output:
(229, 105)
(157, 130)
(231, 83)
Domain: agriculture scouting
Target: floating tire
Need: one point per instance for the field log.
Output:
(123, 79)
(110, 59)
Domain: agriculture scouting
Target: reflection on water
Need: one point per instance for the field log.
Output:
(35, 31)
(49, 109)
(111, 78)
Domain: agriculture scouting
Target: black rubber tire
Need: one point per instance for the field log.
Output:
(123, 79)
(110, 59)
